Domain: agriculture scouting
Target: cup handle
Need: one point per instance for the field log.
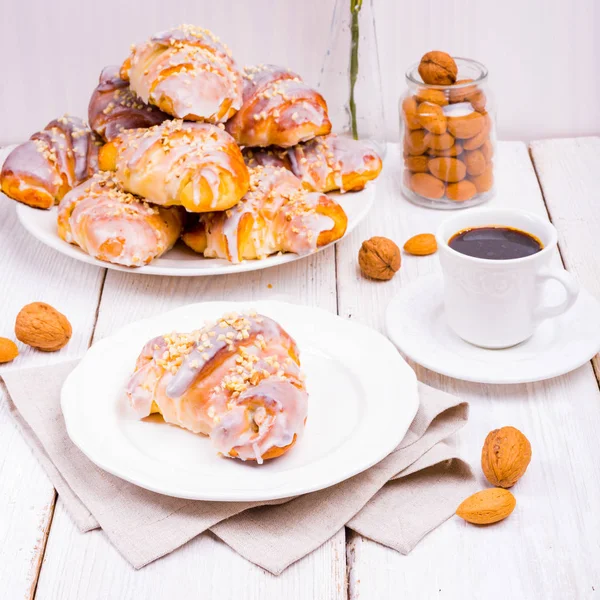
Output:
(571, 287)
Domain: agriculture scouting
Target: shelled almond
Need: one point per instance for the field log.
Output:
(448, 134)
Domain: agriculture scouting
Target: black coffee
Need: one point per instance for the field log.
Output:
(495, 243)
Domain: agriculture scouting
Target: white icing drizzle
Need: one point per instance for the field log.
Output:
(188, 73)
(276, 215)
(158, 162)
(115, 226)
(278, 109)
(333, 162)
(55, 159)
(114, 107)
(238, 381)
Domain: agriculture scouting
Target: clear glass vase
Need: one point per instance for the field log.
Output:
(350, 79)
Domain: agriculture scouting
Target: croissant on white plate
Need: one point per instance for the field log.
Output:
(279, 109)
(42, 170)
(188, 73)
(237, 381)
(277, 215)
(195, 165)
(114, 226)
(324, 163)
(114, 107)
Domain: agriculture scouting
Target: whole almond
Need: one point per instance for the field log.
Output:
(462, 93)
(452, 151)
(475, 161)
(435, 96)
(485, 181)
(421, 245)
(448, 169)
(432, 117)
(488, 506)
(505, 456)
(478, 140)
(465, 126)
(8, 350)
(427, 185)
(414, 142)
(417, 164)
(439, 142)
(488, 150)
(409, 110)
(461, 191)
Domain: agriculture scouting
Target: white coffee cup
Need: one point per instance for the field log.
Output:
(498, 303)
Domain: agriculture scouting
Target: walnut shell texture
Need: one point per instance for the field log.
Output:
(438, 68)
(41, 326)
(505, 456)
(379, 258)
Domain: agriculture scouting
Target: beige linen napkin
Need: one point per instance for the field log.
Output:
(396, 502)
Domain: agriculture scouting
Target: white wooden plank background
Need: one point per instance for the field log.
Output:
(549, 547)
(30, 272)
(542, 54)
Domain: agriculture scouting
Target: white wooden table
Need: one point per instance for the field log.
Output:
(548, 548)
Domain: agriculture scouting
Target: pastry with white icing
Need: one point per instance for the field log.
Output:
(195, 165)
(278, 214)
(114, 226)
(114, 107)
(237, 381)
(278, 109)
(42, 170)
(188, 73)
(324, 164)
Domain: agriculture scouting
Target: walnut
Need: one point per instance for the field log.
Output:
(438, 68)
(379, 258)
(41, 326)
(505, 456)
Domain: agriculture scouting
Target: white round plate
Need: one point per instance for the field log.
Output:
(181, 261)
(355, 417)
(415, 323)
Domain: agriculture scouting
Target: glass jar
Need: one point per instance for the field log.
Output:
(448, 134)
(350, 79)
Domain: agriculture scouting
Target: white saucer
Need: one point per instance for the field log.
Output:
(415, 323)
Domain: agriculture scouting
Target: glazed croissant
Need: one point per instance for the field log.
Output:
(188, 73)
(279, 109)
(41, 171)
(325, 163)
(114, 107)
(237, 381)
(276, 215)
(195, 165)
(114, 226)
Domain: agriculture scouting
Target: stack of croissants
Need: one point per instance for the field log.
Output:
(182, 143)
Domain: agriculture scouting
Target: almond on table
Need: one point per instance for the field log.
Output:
(8, 350)
(421, 245)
